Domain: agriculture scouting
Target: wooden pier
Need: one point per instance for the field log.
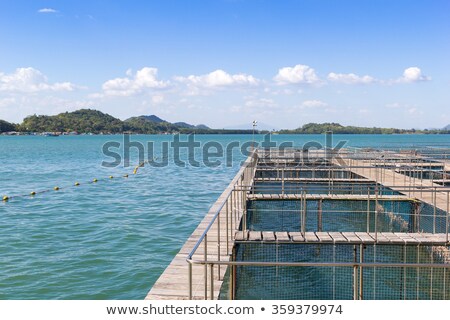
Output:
(199, 268)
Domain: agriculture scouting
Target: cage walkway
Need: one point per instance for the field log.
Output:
(349, 197)
(343, 237)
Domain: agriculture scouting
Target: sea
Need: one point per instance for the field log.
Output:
(109, 212)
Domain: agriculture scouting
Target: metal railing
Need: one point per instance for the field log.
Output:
(229, 212)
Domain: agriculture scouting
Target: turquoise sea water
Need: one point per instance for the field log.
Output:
(110, 239)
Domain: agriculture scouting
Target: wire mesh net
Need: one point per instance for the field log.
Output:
(313, 173)
(330, 187)
(336, 282)
(344, 216)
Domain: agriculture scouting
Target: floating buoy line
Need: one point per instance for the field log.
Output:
(6, 198)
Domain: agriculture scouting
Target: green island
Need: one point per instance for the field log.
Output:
(89, 121)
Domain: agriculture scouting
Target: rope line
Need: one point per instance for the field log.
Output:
(7, 198)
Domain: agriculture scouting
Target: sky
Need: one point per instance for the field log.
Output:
(225, 63)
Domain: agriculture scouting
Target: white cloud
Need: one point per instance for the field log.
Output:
(219, 78)
(261, 103)
(30, 80)
(47, 10)
(313, 104)
(144, 79)
(350, 78)
(364, 111)
(296, 75)
(156, 99)
(413, 74)
(6, 102)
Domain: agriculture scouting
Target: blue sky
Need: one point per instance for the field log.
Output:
(224, 63)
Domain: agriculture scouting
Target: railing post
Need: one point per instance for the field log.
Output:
(361, 260)
(232, 281)
(211, 272)
(319, 216)
(355, 275)
(434, 210)
(231, 215)
(376, 213)
(368, 209)
(244, 213)
(448, 213)
(218, 244)
(190, 279)
(205, 256)
(227, 225)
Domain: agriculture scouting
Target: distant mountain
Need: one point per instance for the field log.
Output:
(183, 125)
(446, 128)
(191, 126)
(151, 118)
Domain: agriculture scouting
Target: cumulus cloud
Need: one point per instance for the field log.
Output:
(413, 74)
(219, 78)
(30, 80)
(142, 80)
(296, 75)
(350, 78)
(47, 10)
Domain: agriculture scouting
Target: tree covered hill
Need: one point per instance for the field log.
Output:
(94, 121)
(317, 128)
(6, 126)
(83, 121)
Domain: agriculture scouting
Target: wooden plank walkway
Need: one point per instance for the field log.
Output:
(397, 181)
(397, 238)
(348, 197)
(173, 284)
(323, 180)
(304, 169)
